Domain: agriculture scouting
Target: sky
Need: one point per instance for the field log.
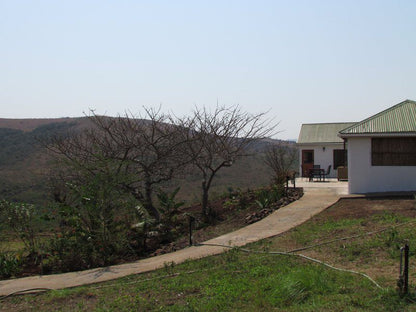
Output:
(300, 61)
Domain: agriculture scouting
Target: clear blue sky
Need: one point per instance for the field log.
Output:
(305, 61)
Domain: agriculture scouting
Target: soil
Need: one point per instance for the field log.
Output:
(365, 207)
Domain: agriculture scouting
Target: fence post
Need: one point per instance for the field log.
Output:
(191, 220)
(403, 282)
(406, 269)
(287, 185)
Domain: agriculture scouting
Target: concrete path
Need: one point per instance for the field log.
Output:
(314, 201)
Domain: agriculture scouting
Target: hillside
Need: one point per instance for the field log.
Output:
(24, 164)
(31, 124)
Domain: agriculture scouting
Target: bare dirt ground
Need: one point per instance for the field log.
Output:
(369, 206)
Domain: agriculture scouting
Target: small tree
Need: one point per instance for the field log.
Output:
(281, 158)
(216, 139)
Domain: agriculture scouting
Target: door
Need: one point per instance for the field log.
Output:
(307, 162)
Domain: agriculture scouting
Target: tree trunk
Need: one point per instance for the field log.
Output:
(148, 203)
(205, 207)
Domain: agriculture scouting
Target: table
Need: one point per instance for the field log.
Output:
(315, 172)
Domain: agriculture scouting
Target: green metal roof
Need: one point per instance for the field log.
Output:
(398, 119)
(322, 132)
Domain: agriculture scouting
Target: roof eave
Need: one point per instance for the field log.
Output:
(318, 143)
(379, 134)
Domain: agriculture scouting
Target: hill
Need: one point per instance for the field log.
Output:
(25, 165)
(31, 124)
(23, 162)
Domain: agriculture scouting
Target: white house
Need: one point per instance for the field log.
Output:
(382, 151)
(320, 145)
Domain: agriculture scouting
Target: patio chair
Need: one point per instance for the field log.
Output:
(325, 174)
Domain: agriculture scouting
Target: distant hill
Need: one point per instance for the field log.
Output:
(24, 164)
(28, 125)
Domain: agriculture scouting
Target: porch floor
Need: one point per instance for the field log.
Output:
(341, 187)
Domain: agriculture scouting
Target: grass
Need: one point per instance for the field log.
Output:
(229, 282)
(243, 281)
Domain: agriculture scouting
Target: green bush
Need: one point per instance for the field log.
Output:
(169, 209)
(96, 226)
(264, 198)
(10, 264)
(267, 196)
(21, 219)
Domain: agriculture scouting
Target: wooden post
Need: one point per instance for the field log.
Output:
(191, 220)
(287, 185)
(406, 270)
(403, 282)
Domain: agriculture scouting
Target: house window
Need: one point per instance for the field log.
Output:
(393, 151)
(340, 158)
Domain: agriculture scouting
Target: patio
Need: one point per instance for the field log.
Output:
(341, 187)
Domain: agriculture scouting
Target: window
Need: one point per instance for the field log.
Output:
(340, 158)
(393, 151)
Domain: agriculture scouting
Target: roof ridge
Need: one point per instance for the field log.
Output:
(329, 123)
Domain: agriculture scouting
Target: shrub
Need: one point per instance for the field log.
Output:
(21, 218)
(169, 208)
(264, 198)
(10, 264)
(96, 221)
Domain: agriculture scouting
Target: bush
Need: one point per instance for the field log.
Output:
(267, 196)
(169, 208)
(21, 218)
(10, 264)
(96, 223)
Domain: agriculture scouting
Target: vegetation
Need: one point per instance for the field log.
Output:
(97, 226)
(281, 159)
(25, 166)
(237, 280)
(112, 183)
(214, 140)
(21, 219)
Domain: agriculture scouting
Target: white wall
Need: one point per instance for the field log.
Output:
(324, 158)
(365, 178)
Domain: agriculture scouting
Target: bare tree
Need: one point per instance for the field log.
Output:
(215, 139)
(143, 151)
(280, 158)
